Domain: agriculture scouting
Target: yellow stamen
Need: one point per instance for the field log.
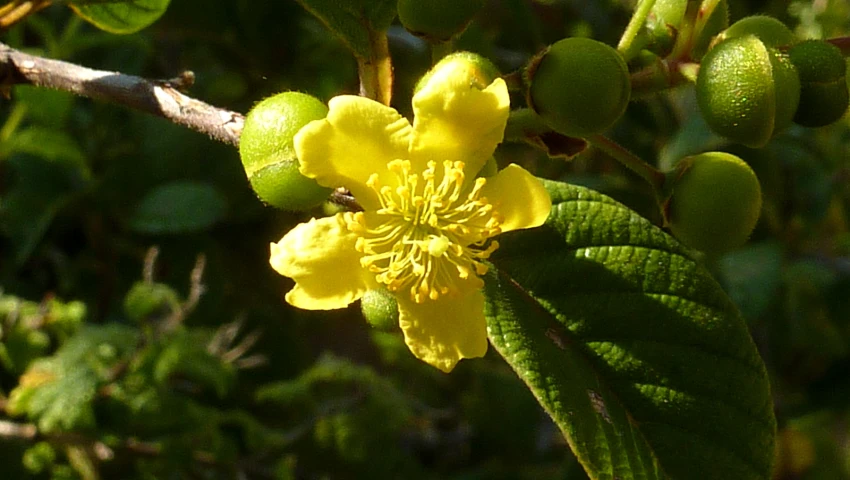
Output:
(429, 235)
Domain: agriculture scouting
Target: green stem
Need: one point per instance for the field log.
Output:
(634, 27)
(659, 76)
(706, 10)
(440, 49)
(523, 123)
(652, 175)
(16, 116)
(376, 71)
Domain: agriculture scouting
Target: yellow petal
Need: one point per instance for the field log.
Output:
(443, 331)
(455, 120)
(519, 197)
(320, 256)
(357, 138)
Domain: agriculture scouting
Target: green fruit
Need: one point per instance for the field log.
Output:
(746, 91)
(823, 83)
(268, 154)
(578, 86)
(769, 30)
(380, 309)
(715, 201)
(437, 20)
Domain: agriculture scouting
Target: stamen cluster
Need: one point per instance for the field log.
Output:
(431, 231)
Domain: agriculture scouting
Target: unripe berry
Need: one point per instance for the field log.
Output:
(769, 30)
(823, 83)
(268, 154)
(746, 91)
(715, 201)
(380, 309)
(578, 86)
(437, 20)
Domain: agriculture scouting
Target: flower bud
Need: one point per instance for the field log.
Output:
(746, 91)
(578, 86)
(146, 301)
(670, 12)
(437, 20)
(823, 83)
(268, 154)
(477, 70)
(715, 201)
(380, 309)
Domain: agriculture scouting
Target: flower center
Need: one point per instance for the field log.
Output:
(430, 232)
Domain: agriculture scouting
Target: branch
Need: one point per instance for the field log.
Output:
(160, 98)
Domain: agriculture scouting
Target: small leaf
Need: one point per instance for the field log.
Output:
(115, 16)
(179, 207)
(630, 345)
(354, 22)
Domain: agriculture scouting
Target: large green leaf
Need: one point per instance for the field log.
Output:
(120, 16)
(354, 21)
(630, 345)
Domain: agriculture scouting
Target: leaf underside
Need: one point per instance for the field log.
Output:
(120, 16)
(630, 345)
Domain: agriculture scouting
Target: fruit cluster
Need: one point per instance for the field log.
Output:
(755, 78)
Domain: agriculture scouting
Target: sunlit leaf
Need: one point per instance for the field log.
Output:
(630, 345)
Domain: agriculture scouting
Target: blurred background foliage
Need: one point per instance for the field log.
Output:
(121, 360)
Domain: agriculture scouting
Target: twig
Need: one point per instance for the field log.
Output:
(161, 98)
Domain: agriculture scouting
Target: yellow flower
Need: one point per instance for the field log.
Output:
(427, 221)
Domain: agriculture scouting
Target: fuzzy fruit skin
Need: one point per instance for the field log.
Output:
(268, 153)
(768, 29)
(823, 83)
(746, 91)
(437, 20)
(380, 309)
(715, 202)
(578, 86)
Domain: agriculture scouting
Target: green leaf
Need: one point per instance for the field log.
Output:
(630, 345)
(58, 392)
(116, 16)
(50, 144)
(354, 21)
(179, 207)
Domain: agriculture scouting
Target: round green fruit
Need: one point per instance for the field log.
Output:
(380, 309)
(268, 153)
(578, 86)
(746, 91)
(823, 83)
(769, 30)
(715, 201)
(437, 20)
